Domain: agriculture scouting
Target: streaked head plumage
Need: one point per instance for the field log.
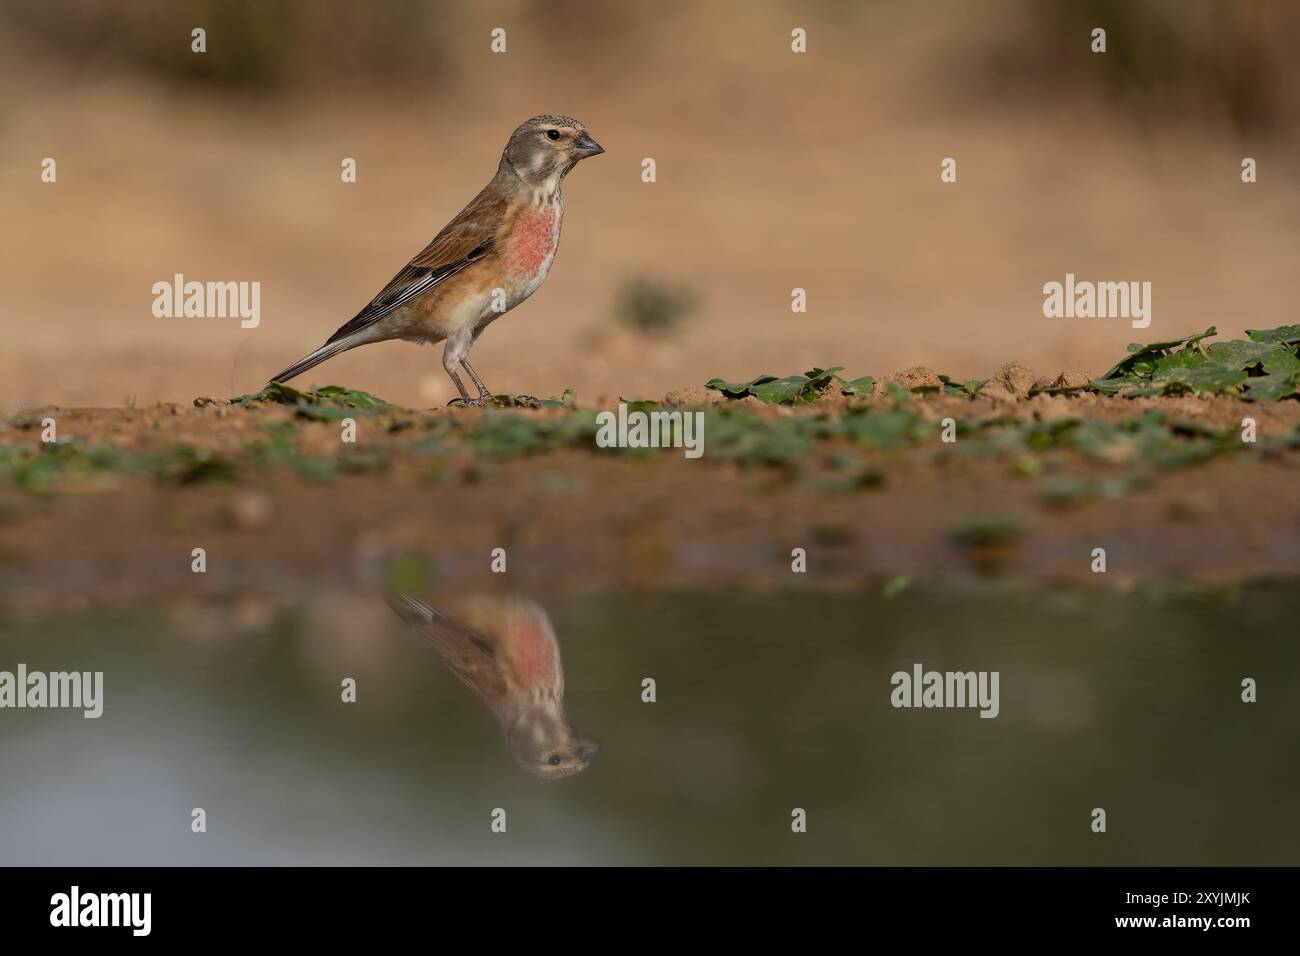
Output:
(543, 149)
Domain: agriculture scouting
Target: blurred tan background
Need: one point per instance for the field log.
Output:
(775, 171)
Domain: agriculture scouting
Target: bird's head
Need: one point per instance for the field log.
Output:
(543, 743)
(545, 148)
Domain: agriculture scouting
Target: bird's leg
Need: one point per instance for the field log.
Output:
(460, 387)
(483, 392)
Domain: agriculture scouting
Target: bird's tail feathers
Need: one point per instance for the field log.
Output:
(411, 610)
(326, 351)
(414, 611)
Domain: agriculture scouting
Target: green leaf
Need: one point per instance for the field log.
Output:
(1187, 358)
(860, 386)
(640, 405)
(275, 392)
(351, 398)
(1209, 380)
(1271, 388)
(737, 389)
(1286, 334)
(1280, 362)
(1153, 351)
(1114, 386)
(900, 395)
(950, 387)
(819, 379)
(780, 390)
(1238, 354)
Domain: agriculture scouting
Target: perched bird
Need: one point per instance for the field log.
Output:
(491, 257)
(504, 650)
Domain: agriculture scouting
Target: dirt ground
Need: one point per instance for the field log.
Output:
(572, 520)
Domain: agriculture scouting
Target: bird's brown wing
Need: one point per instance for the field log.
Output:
(463, 241)
(469, 654)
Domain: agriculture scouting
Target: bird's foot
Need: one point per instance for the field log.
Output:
(465, 403)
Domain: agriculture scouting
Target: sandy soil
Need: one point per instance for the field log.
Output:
(574, 521)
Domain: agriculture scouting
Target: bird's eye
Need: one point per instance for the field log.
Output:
(554, 760)
(552, 134)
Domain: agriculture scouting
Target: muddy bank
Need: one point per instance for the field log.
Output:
(1027, 492)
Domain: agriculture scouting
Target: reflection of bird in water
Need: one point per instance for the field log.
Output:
(504, 650)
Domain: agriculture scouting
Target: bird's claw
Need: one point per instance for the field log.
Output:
(465, 403)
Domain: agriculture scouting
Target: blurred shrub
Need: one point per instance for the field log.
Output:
(251, 44)
(651, 306)
(1179, 59)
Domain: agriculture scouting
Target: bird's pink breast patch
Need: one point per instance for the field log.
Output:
(534, 652)
(532, 241)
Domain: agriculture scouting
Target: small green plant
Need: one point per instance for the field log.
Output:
(895, 586)
(808, 387)
(1266, 367)
(989, 531)
(652, 306)
(329, 402)
(791, 390)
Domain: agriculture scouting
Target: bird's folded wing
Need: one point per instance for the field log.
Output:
(470, 655)
(462, 242)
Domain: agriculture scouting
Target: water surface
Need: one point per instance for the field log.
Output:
(764, 704)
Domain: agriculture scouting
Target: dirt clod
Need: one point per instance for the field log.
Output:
(1016, 377)
(1071, 378)
(694, 395)
(918, 377)
(998, 393)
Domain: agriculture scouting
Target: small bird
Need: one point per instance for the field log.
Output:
(491, 257)
(504, 650)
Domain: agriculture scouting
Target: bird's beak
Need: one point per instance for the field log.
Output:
(588, 146)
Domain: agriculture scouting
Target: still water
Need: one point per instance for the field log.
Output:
(764, 704)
